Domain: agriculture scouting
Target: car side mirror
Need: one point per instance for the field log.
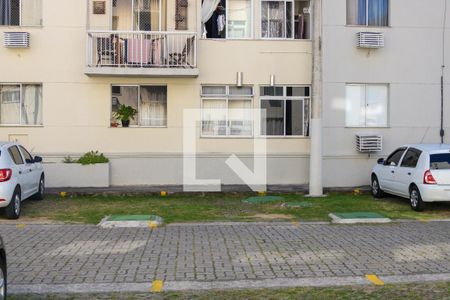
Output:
(37, 159)
(380, 161)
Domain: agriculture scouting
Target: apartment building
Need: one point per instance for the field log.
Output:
(67, 66)
(385, 84)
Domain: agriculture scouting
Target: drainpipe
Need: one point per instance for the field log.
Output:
(315, 163)
(442, 132)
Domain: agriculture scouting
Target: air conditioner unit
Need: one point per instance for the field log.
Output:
(369, 143)
(16, 39)
(372, 40)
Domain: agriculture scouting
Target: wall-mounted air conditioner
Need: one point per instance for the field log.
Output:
(16, 39)
(369, 143)
(372, 40)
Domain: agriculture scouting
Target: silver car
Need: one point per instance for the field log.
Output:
(21, 177)
(419, 172)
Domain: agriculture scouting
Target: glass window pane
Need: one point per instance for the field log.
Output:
(240, 117)
(146, 15)
(32, 104)
(356, 12)
(271, 91)
(297, 91)
(128, 97)
(214, 117)
(10, 104)
(153, 106)
(355, 105)
(239, 20)
(306, 104)
(241, 91)
(376, 105)
(378, 12)
(31, 12)
(273, 19)
(273, 122)
(122, 17)
(15, 155)
(411, 158)
(440, 161)
(289, 20)
(26, 155)
(294, 117)
(214, 90)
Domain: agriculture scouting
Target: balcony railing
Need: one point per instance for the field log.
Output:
(142, 53)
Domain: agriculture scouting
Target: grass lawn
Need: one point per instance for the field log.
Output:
(219, 207)
(401, 291)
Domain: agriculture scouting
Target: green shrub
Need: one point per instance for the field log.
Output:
(92, 157)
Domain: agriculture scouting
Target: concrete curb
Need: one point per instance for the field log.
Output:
(337, 220)
(221, 285)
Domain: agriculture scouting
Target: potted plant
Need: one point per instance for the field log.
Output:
(124, 114)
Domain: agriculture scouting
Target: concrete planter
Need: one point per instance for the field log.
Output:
(76, 175)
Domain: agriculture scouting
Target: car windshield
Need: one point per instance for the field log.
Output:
(440, 161)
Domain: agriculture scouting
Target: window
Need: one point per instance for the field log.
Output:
(395, 157)
(149, 101)
(15, 155)
(226, 111)
(20, 104)
(20, 12)
(230, 19)
(411, 158)
(26, 155)
(287, 110)
(366, 105)
(440, 161)
(368, 12)
(138, 15)
(285, 19)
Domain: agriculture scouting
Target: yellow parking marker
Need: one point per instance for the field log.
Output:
(295, 223)
(157, 286)
(163, 193)
(374, 279)
(152, 224)
(261, 193)
(21, 226)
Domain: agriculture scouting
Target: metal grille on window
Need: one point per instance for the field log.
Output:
(181, 14)
(20, 12)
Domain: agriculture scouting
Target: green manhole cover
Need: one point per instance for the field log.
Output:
(133, 218)
(298, 204)
(262, 199)
(359, 215)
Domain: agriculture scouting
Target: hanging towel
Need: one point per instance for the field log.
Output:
(136, 53)
(221, 23)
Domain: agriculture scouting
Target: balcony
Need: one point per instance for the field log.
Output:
(141, 53)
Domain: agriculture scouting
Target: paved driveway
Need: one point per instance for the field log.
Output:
(84, 254)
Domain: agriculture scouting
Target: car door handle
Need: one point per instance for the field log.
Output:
(409, 173)
(392, 172)
(20, 172)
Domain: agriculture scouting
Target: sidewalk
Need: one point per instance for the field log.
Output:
(84, 258)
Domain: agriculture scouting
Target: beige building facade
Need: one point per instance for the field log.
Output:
(86, 58)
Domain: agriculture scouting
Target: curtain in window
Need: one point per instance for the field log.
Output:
(356, 12)
(32, 105)
(10, 104)
(214, 117)
(153, 106)
(239, 19)
(5, 12)
(240, 117)
(31, 12)
(208, 8)
(273, 19)
(378, 12)
(273, 122)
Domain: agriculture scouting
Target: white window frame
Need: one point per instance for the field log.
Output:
(285, 27)
(20, 17)
(365, 104)
(139, 104)
(252, 17)
(20, 104)
(367, 16)
(285, 98)
(226, 97)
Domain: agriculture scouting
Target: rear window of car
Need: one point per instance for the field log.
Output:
(440, 161)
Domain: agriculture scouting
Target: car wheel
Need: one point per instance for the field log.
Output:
(12, 211)
(3, 281)
(375, 188)
(40, 194)
(415, 199)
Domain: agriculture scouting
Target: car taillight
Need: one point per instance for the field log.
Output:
(5, 174)
(428, 178)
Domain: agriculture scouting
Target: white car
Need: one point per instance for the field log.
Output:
(21, 177)
(419, 172)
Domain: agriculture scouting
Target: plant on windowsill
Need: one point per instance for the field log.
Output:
(124, 114)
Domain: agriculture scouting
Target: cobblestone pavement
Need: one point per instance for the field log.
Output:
(62, 254)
